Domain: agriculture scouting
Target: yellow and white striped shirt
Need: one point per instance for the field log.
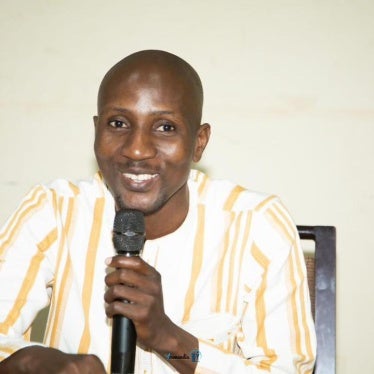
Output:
(233, 275)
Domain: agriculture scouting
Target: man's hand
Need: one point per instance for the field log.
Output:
(41, 360)
(139, 284)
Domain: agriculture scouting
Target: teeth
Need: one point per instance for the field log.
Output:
(139, 177)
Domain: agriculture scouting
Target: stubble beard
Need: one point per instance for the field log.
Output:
(148, 210)
(153, 207)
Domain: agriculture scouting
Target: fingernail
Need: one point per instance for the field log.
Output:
(108, 260)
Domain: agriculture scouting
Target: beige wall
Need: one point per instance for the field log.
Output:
(289, 91)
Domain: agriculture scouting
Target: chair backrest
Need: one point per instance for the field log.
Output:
(321, 270)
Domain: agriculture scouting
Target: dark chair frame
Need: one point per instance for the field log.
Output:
(325, 294)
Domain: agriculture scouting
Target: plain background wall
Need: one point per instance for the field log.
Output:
(289, 89)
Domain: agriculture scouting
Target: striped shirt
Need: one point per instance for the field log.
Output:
(232, 275)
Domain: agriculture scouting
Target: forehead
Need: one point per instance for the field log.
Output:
(163, 79)
(162, 86)
(149, 90)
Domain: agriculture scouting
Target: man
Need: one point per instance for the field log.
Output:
(220, 286)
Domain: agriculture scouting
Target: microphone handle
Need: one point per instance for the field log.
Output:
(123, 345)
(123, 339)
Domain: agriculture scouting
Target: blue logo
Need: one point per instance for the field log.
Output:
(195, 355)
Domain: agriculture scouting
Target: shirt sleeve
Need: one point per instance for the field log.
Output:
(276, 330)
(27, 243)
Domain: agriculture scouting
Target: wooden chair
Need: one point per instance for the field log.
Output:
(322, 284)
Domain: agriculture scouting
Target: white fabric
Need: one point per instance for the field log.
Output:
(232, 275)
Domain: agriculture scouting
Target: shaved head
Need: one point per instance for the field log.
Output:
(148, 132)
(158, 68)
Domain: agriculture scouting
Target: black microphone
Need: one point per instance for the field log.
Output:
(128, 240)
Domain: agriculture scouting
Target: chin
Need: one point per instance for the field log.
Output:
(143, 205)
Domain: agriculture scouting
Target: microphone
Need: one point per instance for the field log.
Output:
(128, 240)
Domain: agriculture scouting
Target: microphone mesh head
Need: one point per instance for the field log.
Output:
(128, 231)
(129, 220)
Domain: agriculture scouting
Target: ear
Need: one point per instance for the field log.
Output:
(96, 120)
(202, 138)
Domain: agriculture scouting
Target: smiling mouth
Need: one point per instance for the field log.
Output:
(139, 177)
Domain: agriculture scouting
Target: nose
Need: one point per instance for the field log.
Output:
(139, 145)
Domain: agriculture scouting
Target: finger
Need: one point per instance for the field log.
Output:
(118, 308)
(124, 284)
(122, 293)
(136, 312)
(135, 263)
(126, 277)
(144, 279)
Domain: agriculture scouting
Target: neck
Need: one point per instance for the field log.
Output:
(169, 218)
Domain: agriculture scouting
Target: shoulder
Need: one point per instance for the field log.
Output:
(259, 218)
(228, 196)
(65, 188)
(59, 193)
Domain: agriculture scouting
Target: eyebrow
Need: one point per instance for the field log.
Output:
(124, 110)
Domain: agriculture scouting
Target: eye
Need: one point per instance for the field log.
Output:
(166, 127)
(117, 123)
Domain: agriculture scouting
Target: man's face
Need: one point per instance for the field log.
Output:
(146, 137)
